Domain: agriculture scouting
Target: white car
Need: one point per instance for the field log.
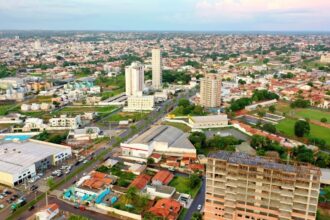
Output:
(199, 207)
(1, 206)
(85, 161)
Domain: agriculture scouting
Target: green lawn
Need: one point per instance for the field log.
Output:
(127, 116)
(183, 214)
(5, 109)
(286, 127)
(82, 109)
(313, 114)
(180, 126)
(182, 185)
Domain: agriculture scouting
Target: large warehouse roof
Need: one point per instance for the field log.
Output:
(168, 134)
(17, 156)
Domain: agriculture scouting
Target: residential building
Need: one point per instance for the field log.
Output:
(13, 118)
(48, 213)
(156, 68)
(141, 181)
(20, 161)
(134, 77)
(210, 91)
(140, 103)
(64, 122)
(160, 191)
(166, 209)
(85, 134)
(162, 177)
(240, 186)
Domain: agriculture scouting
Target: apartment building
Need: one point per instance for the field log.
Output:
(210, 91)
(134, 78)
(64, 122)
(140, 103)
(240, 186)
(156, 68)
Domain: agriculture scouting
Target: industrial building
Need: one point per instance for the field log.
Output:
(240, 186)
(20, 161)
(162, 139)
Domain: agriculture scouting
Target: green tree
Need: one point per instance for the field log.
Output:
(130, 195)
(196, 216)
(301, 128)
(272, 108)
(183, 102)
(269, 128)
(324, 120)
(150, 160)
(50, 182)
(194, 180)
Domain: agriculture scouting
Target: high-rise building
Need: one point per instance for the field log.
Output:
(239, 186)
(210, 91)
(134, 77)
(156, 68)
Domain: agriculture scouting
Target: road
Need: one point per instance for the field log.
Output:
(141, 126)
(199, 200)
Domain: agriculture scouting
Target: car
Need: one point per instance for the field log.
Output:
(1, 197)
(199, 207)
(8, 192)
(74, 182)
(67, 172)
(9, 201)
(31, 208)
(34, 187)
(15, 196)
(82, 208)
(77, 163)
(85, 161)
(2, 206)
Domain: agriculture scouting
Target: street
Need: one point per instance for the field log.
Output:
(199, 200)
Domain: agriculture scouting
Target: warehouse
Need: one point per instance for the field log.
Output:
(20, 161)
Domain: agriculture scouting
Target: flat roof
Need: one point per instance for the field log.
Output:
(209, 118)
(164, 133)
(17, 156)
(245, 159)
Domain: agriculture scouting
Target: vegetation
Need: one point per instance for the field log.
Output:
(198, 139)
(125, 178)
(261, 95)
(186, 108)
(181, 126)
(170, 76)
(300, 103)
(269, 128)
(77, 217)
(301, 128)
(263, 145)
(5, 71)
(8, 108)
(183, 185)
(240, 104)
(132, 201)
(56, 137)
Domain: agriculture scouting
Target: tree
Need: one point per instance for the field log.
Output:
(196, 216)
(261, 113)
(194, 180)
(300, 103)
(184, 103)
(269, 128)
(50, 182)
(150, 160)
(130, 194)
(272, 108)
(301, 128)
(324, 120)
(242, 82)
(322, 160)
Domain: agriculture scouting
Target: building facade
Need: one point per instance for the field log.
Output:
(239, 186)
(134, 77)
(210, 91)
(140, 103)
(156, 68)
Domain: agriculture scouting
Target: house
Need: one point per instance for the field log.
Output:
(85, 134)
(156, 157)
(160, 191)
(64, 123)
(166, 208)
(49, 212)
(162, 177)
(140, 181)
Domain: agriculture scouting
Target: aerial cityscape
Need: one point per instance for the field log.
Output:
(165, 110)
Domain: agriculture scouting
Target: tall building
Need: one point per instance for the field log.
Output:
(239, 186)
(134, 77)
(210, 91)
(156, 69)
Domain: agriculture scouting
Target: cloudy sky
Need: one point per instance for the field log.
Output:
(204, 15)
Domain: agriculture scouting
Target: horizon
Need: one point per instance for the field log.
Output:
(170, 15)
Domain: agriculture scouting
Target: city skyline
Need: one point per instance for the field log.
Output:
(183, 15)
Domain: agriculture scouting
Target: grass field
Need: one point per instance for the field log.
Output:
(5, 109)
(182, 185)
(127, 116)
(82, 109)
(286, 127)
(180, 126)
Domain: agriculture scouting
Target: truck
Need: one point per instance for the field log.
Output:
(19, 203)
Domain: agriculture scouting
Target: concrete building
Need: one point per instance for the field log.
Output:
(64, 122)
(209, 121)
(163, 139)
(48, 213)
(140, 103)
(134, 77)
(85, 134)
(261, 104)
(240, 186)
(210, 91)
(20, 161)
(325, 58)
(156, 68)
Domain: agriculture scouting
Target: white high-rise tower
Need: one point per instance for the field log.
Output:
(134, 77)
(156, 69)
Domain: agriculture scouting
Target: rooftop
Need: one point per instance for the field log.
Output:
(245, 159)
(209, 118)
(164, 133)
(16, 156)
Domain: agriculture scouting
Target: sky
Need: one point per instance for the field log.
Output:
(166, 15)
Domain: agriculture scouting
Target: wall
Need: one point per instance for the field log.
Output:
(119, 212)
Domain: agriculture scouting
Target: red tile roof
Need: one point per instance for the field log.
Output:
(163, 176)
(167, 208)
(140, 181)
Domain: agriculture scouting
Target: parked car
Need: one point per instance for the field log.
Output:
(31, 208)
(34, 187)
(2, 206)
(199, 207)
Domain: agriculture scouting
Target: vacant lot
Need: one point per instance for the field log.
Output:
(182, 185)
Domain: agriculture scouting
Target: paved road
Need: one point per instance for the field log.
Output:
(199, 200)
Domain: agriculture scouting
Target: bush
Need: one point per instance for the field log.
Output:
(324, 120)
(301, 128)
